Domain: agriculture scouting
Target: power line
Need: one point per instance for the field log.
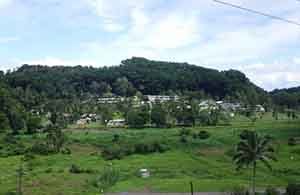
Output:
(258, 12)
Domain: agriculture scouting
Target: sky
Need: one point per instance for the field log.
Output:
(200, 32)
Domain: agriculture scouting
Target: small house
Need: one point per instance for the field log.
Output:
(116, 123)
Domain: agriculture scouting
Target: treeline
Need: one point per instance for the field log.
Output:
(287, 98)
(60, 89)
(132, 76)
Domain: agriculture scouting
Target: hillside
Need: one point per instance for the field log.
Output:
(287, 97)
(136, 74)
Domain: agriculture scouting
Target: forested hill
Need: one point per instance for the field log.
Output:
(287, 97)
(135, 75)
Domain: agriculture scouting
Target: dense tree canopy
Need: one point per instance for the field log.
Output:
(135, 74)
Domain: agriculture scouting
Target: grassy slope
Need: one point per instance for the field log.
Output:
(205, 162)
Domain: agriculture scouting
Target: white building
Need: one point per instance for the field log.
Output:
(116, 123)
(161, 98)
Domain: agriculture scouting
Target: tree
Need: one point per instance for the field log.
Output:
(252, 149)
(16, 122)
(4, 122)
(55, 139)
(123, 87)
(106, 113)
(158, 116)
(137, 118)
(33, 123)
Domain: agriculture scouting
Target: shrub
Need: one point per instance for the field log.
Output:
(185, 132)
(230, 152)
(195, 135)
(293, 189)
(112, 152)
(48, 170)
(116, 138)
(239, 190)
(28, 157)
(107, 179)
(183, 139)
(203, 135)
(66, 151)
(118, 152)
(272, 191)
(40, 148)
(75, 169)
(292, 141)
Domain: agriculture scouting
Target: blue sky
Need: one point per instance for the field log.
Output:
(201, 32)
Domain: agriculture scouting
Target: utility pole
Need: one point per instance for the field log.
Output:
(192, 188)
(20, 174)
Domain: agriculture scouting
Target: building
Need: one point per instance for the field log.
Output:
(116, 123)
(208, 105)
(110, 100)
(161, 98)
(230, 106)
(260, 108)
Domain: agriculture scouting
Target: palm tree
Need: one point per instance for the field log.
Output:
(252, 149)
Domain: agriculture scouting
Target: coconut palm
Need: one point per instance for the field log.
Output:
(252, 149)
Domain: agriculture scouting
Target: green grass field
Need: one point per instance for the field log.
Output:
(207, 163)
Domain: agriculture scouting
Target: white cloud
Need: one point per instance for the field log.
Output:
(173, 31)
(52, 61)
(273, 75)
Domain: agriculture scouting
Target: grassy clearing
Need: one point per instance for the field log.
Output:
(205, 162)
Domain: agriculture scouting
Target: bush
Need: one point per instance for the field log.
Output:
(203, 135)
(28, 157)
(292, 141)
(230, 152)
(118, 152)
(75, 169)
(40, 148)
(116, 138)
(183, 139)
(185, 132)
(112, 152)
(272, 191)
(293, 189)
(239, 190)
(107, 179)
(195, 135)
(66, 151)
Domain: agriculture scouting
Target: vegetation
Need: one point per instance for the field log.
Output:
(250, 150)
(206, 162)
(41, 110)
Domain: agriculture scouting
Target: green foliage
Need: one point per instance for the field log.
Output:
(33, 123)
(146, 76)
(158, 116)
(293, 189)
(115, 151)
(272, 191)
(74, 169)
(203, 135)
(252, 149)
(40, 148)
(109, 177)
(55, 139)
(292, 141)
(116, 138)
(137, 118)
(239, 190)
(183, 139)
(4, 123)
(184, 132)
(123, 87)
